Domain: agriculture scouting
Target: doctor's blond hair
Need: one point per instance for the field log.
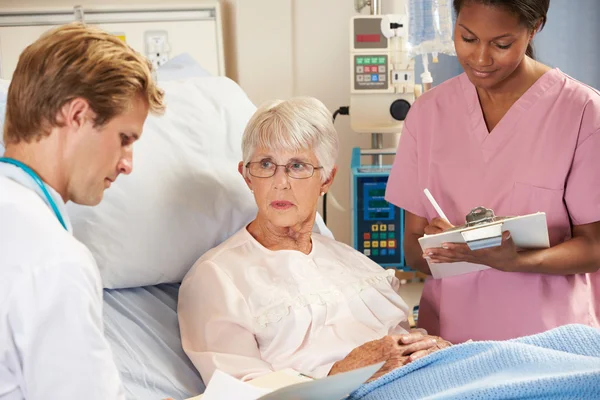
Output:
(75, 61)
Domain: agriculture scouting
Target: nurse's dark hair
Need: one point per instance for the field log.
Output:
(530, 12)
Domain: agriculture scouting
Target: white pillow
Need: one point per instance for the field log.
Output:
(184, 196)
(180, 67)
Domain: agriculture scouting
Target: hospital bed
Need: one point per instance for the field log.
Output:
(142, 329)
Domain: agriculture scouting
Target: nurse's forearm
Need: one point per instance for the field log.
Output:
(575, 256)
(414, 254)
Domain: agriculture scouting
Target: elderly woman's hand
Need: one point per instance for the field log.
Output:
(417, 344)
(385, 349)
(396, 351)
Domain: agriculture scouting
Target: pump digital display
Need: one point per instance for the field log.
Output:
(368, 38)
(379, 215)
(375, 206)
(378, 204)
(376, 192)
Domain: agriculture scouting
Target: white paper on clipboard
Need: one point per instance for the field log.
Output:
(279, 386)
(527, 231)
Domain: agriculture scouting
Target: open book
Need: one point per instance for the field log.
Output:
(527, 231)
(287, 385)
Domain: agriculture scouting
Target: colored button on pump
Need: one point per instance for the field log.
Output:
(383, 227)
(367, 252)
(384, 252)
(360, 69)
(381, 60)
(383, 243)
(367, 244)
(391, 252)
(359, 60)
(391, 235)
(366, 236)
(391, 243)
(375, 252)
(376, 236)
(375, 244)
(383, 236)
(374, 78)
(374, 228)
(391, 227)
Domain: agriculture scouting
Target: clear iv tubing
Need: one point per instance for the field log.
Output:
(426, 78)
(430, 27)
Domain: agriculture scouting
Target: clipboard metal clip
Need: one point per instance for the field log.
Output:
(483, 229)
(480, 215)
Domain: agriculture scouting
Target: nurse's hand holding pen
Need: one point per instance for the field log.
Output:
(437, 225)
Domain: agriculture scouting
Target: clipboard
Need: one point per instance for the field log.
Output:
(527, 231)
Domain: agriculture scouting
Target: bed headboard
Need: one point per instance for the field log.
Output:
(192, 29)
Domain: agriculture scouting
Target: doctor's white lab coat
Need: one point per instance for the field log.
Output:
(52, 343)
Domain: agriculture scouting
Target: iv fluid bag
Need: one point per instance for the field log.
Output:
(430, 27)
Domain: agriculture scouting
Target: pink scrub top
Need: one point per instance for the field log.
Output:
(544, 155)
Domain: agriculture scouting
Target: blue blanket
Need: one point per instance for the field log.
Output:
(563, 363)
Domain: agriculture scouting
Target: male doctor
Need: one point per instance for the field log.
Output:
(76, 104)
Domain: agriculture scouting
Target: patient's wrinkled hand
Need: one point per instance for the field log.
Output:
(396, 351)
(385, 349)
(417, 344)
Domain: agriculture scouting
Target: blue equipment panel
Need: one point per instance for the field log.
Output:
(377, 226)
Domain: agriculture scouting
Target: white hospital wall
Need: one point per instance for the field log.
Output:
(183, 35)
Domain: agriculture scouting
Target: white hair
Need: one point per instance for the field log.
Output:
(301, 123)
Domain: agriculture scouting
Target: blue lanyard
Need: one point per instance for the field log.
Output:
(39, 182)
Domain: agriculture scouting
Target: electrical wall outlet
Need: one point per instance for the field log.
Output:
(157, 47)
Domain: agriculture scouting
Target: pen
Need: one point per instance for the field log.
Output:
(435, 204)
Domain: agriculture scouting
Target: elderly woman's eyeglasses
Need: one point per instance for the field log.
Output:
(296, 169)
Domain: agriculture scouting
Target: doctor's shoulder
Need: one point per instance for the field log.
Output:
(24, 217)
(31, 235)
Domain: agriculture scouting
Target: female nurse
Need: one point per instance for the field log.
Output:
(517, 136)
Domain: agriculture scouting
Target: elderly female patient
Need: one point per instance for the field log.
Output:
(275, 295)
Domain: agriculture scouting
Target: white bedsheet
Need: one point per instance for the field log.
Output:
(142, 329)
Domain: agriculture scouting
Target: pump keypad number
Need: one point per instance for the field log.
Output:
(380, 240)
(370, 72)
